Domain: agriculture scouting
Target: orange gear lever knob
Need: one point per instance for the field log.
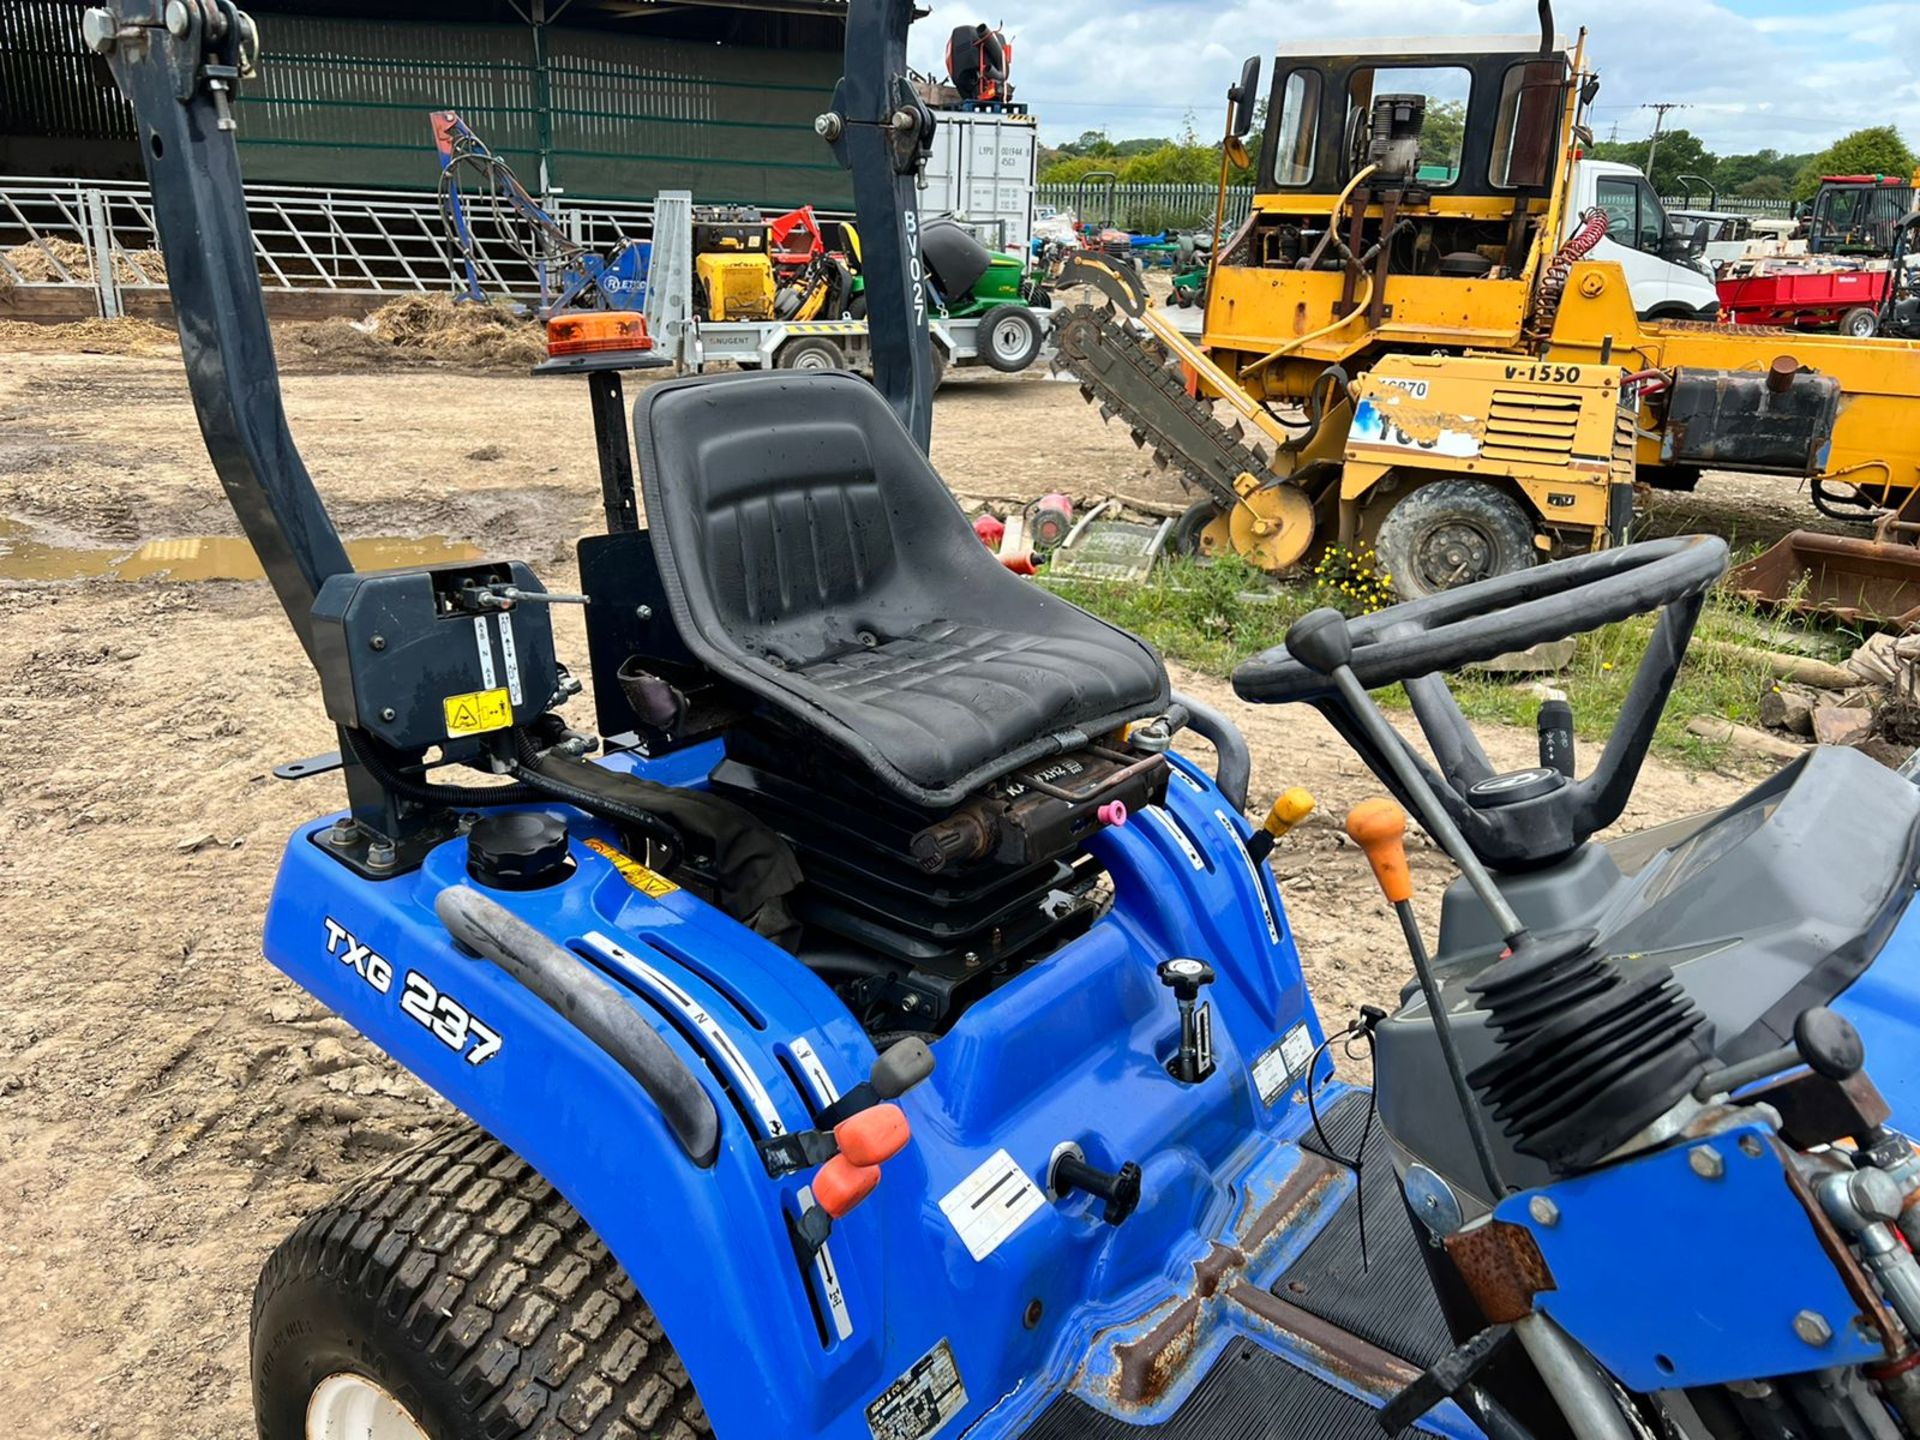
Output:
(839, 1185)
(1379, 827)
(870, 1136)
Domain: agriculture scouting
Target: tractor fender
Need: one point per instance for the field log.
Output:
(699, 1243)
(1070, 1051)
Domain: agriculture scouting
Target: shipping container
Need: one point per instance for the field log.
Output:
(982, 173)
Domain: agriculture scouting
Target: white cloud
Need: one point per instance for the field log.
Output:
(1792, 81)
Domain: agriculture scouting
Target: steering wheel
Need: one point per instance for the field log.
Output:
(1519, 819)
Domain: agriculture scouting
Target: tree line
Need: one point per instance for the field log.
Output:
(1761, 175)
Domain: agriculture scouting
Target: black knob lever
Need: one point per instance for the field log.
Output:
(1119, 1188)
(1823, 1040)
(901, 1066)
(1186, 977)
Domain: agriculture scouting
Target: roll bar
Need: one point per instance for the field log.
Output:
(180, 64)
(180, 80)
(882, 132)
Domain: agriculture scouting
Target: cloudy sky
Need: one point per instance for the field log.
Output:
(1790, 74)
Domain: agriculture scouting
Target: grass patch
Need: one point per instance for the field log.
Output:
(1211, 616)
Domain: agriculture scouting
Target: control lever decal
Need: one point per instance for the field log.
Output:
(991, 1203)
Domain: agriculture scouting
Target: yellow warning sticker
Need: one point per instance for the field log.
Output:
(647, 882)
(477, 712)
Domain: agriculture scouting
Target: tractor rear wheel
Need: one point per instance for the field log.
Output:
(1452, 532)
(453, 1293)
(1009, 338)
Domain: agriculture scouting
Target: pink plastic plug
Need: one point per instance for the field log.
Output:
(1114, 812)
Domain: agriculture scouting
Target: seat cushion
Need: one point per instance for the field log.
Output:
(812, 555)
(946, 699)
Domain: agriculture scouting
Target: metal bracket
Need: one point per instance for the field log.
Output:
(306, 769)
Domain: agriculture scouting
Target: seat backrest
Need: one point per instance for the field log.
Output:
(788, 540)
(799, 514)
(811, 554)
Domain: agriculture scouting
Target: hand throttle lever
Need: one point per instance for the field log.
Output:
(1379, 828)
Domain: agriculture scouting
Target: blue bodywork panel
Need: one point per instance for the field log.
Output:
(1884, 1006)
(1074, 1049)
(1673, 1279)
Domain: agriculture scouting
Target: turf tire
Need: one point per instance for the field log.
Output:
(462, 1284)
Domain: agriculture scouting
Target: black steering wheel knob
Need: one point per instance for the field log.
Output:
(1320, 640)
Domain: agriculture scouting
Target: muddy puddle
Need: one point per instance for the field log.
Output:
(202, 557)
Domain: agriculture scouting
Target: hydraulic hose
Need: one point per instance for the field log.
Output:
(1591, 230)
(1361, 301)
(1317, 408)
(1233, 763)
(423, 792)
(1333, 219)
(547, 786)
(1366, 295)
(530, 788)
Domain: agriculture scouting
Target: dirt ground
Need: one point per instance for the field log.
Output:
(169, 1104)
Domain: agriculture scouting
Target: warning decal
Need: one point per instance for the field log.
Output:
(477, 712)
(1281, 1063)
(921, 1401)
(991, 1203)
(647, 882)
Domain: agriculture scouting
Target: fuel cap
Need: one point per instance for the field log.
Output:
(522, 850)
(1514, 787)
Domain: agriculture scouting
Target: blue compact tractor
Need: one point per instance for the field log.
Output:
(891, 1034)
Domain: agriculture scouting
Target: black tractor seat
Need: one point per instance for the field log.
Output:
(812, 556)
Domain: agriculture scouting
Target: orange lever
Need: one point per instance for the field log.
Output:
(839, 1185)
(877, 1133)
(1379, 827)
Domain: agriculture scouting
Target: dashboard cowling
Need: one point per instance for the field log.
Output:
(1774, 904)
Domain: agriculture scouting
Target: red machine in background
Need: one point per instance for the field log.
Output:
(1848, 300)
(979, 60)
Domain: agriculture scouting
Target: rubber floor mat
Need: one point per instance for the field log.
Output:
(1249, 1394)
(1388, 1301)
(1338, 1136)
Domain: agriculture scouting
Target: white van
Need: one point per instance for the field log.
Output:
(1665, 282)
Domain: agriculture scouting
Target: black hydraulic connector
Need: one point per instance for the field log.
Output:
(1186, 977)
(1119, 1188)
(901, 1066)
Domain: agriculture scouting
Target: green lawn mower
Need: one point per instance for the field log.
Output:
(971, 282)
